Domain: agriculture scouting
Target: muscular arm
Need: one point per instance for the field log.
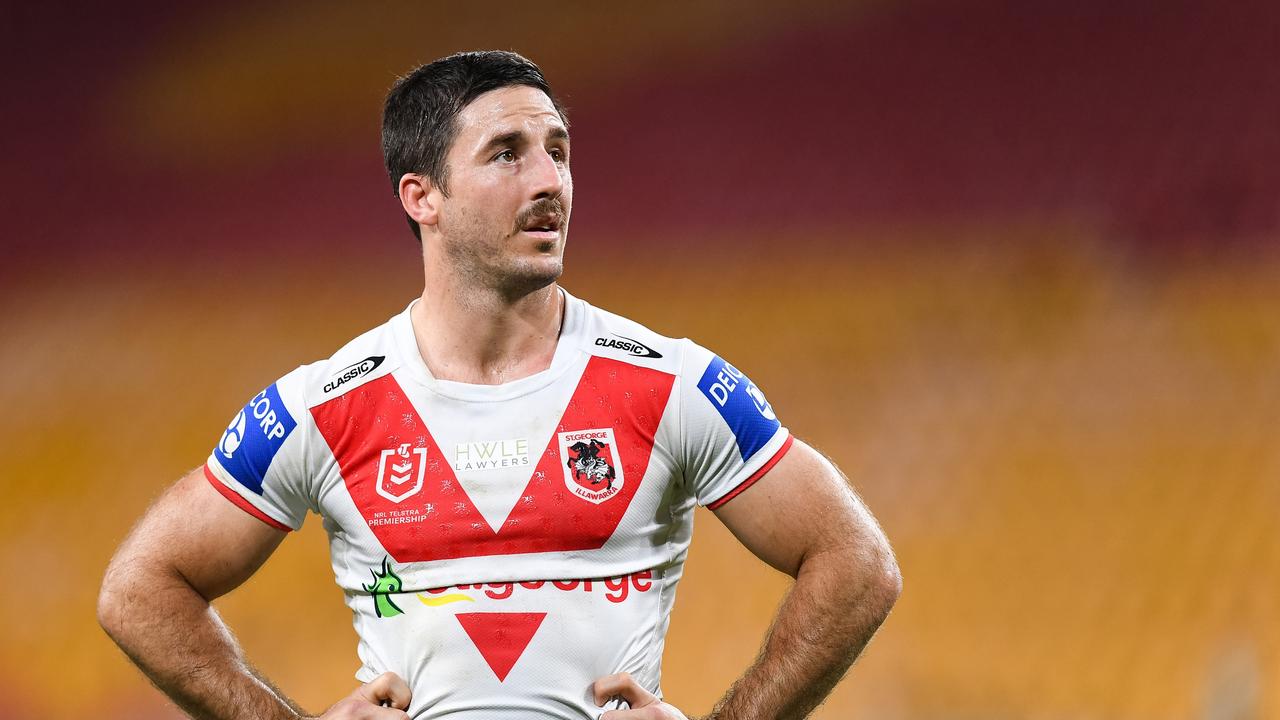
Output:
(191, 547)
(804, 519)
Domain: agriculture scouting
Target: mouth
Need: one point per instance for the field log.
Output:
(545, 227)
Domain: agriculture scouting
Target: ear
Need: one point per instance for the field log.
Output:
(420, 199)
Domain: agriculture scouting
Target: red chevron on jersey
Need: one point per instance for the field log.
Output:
(500, 637)
(375, 423)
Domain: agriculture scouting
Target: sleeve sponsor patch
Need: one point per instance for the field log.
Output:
(741, 404)
(254, 437)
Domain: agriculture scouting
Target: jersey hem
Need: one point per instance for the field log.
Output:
(786, 445)
(241, 503)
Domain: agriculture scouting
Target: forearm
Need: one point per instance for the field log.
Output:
(825, 621)
(172, 633)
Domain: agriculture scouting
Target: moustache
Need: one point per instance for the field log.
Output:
(541, 208)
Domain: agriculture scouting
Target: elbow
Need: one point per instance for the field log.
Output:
(882, 581)
(111, 603)
(118, 595)
(890, 580)
(137, 588)
(866, 578)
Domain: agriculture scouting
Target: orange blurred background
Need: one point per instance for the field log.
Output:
(1014, 265)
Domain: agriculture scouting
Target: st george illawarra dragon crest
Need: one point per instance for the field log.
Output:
(591, 467)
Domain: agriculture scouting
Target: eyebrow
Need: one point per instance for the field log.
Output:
(513, 137)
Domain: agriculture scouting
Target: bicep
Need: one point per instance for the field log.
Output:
(198, 536)
(802, 507)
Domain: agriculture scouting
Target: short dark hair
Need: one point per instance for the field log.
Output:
(419, 119)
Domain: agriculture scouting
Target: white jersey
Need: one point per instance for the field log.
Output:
(502, 546)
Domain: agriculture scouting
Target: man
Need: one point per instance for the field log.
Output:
(507, 474)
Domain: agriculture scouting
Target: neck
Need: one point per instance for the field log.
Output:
(483, 337)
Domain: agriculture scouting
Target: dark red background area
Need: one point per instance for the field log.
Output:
(1155, 124)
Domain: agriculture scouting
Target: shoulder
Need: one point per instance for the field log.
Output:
(369, 356)
(609, 335)
(713, 391)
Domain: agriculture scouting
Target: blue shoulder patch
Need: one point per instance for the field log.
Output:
(741, 404)
(254, 437)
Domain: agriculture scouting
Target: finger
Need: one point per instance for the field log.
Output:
(625, 715)
(387, 687)
(384, 713)
(624, 686)
(656, 711)
(357, 708)
(370, 712)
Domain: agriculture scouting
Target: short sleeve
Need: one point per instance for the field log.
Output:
(729, 434)
(260, 462)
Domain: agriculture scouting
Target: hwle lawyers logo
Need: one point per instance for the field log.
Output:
(491, 454)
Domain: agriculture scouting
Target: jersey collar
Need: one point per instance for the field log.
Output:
(568, 353)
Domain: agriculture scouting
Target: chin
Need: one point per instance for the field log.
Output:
(532, 274)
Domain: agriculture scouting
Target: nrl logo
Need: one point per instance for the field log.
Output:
(591, 467)
(397, 468)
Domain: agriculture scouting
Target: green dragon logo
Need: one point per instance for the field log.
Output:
(384, 584)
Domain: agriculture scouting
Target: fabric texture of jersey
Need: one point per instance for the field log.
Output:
(501, 547)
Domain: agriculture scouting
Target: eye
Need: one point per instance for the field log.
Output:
(506, 156)
(558, 155)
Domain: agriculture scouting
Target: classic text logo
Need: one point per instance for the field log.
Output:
(351, 372)
(629, 346)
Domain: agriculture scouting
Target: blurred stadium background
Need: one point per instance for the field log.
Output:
(1013, 264)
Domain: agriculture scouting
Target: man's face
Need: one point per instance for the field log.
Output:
(506, 217)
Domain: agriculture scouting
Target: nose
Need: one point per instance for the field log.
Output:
(546, 176)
